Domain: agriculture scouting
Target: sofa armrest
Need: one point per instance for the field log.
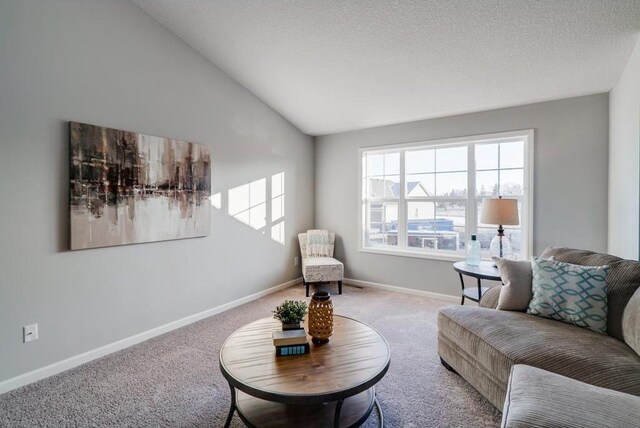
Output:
(490, 298)
(631, 322)
(538, 398)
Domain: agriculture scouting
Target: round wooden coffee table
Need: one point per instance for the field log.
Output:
(332, 385)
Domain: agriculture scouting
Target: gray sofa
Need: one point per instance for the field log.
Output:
(482, 344)
(540, 399)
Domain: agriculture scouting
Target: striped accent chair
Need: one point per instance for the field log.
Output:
(320, 269)
(482, 344)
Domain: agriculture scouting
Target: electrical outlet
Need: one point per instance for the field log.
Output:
(30, 333)
(295, 261)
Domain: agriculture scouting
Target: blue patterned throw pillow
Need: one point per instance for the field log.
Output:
(570, 293)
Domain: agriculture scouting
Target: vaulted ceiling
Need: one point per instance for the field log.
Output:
(339, 65)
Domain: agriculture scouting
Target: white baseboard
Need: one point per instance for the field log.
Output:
(402, 290)
(60, 366)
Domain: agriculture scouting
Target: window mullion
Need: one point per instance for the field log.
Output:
(472, 209)
(526, 224)
(402, 205)
(499, 170)
(364, 225)
(364, 206)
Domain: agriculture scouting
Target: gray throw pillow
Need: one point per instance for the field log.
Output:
(570, 293)
(516, 293)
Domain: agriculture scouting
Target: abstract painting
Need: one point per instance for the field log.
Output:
(127, 188)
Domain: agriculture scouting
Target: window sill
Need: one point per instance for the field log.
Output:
(415, 254)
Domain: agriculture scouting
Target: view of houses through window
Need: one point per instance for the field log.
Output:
(417, 197)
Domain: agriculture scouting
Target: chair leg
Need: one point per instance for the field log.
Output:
(307, 284)
(340, 287)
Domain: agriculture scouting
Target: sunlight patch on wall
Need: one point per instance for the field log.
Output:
(247, 203)
(277, 208)
(216, 200)
(250, 204)
(277, 233)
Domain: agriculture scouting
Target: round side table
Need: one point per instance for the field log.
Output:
(486, 270)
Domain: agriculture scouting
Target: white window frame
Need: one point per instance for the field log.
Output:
(526, 222)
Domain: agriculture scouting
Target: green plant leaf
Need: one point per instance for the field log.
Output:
(290, 311)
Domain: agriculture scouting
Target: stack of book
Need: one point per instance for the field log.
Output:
(290, 342)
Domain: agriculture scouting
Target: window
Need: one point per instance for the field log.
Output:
(424, 199)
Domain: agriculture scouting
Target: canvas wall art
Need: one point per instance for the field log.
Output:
(127, 188)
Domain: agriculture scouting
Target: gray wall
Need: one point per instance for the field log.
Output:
(624, 161)
(108, 63)
(570, 183)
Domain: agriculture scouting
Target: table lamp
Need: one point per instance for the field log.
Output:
(501, 212)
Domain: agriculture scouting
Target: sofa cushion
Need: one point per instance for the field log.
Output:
(318, 269)
(570, 293)
(538, 398)
(318, 243)
(496, 340)
(491, 297)
(622, 281)
(517, 277)
(302, 239)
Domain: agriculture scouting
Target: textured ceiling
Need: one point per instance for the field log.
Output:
(338, 65)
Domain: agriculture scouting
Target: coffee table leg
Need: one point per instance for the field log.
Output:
(336, 418)
(380, 415)
(232, 408)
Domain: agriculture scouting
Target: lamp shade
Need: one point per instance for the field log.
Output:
(500, 211)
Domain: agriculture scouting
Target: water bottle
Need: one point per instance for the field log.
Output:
(473, 252)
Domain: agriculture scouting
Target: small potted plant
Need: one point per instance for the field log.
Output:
(291, 313)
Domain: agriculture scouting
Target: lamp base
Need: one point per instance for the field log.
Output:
(500, 246)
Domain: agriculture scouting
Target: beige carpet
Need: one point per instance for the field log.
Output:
(174, 380)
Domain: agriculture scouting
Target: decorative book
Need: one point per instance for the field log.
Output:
(289, 337)
(284, 351)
